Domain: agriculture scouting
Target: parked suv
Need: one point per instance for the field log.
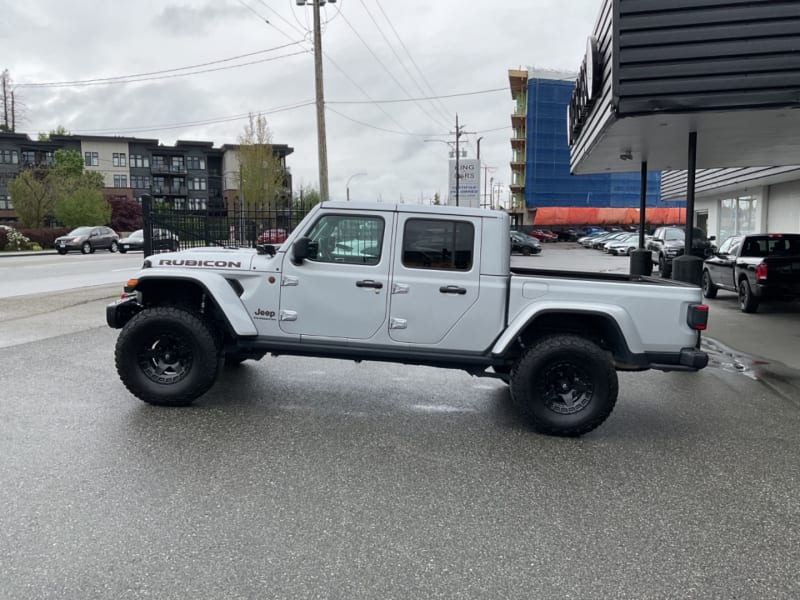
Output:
(88, 239)
(668, 243)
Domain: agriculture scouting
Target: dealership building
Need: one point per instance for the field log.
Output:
(708, 93)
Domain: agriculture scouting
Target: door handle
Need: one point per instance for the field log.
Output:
(369, 283)
(452, 289)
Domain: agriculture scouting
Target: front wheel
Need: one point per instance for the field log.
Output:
(62, 251)
(565, 385)
(167, 356)
(86, 248)
(122, 250)
(526, 251)
(709, 289)
(747, 302)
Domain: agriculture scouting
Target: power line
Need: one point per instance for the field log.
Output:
(117, 78)
(401, 62)
(210, 121)
(388, 72)
(382, 128)
(475, 93)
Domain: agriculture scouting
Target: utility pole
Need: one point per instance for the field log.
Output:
(458, 133)
(458, 169)
(322, 145)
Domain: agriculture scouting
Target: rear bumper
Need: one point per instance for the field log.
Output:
(688, 359)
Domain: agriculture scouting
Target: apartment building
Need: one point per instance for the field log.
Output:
(190, 175)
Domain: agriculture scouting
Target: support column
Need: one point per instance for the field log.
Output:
(641, 259)
(687, 267)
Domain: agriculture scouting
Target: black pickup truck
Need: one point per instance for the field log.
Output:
(764, 266)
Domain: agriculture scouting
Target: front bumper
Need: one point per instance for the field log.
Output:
(121, 311)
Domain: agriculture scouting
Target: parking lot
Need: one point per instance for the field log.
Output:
(313, 478)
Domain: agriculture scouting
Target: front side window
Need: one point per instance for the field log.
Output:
(438, 244)
(347, 239)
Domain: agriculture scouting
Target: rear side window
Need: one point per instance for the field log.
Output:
(438, 244)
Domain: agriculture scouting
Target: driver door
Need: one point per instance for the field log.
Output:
(341, 290)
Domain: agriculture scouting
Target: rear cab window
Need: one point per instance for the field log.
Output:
(438, 244)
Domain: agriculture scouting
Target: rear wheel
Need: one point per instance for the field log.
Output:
(747, 302)
(114, 246)
(565, 385)
(709, 289)
(526, 250)
(664, 268)
(167, 356)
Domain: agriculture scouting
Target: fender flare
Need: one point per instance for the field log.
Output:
(216, 286)
(614, 314)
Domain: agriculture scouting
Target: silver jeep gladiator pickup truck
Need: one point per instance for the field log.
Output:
(424, 285)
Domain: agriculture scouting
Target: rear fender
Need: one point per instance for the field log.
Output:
(616, 316)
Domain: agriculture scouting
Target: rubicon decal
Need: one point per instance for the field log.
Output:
(172, 262)
(264, 315)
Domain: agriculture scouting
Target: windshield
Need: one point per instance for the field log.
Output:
(137, 235)
(80, 231)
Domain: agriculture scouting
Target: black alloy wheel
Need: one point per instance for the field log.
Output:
(565, 385)
(167, 356)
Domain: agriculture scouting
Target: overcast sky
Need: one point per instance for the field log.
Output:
(376, 51)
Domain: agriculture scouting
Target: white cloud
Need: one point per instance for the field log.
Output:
(459, 46)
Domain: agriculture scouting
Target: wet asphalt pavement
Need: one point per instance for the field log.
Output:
(311, 478)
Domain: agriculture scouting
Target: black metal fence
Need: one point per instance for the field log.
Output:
(167, 228)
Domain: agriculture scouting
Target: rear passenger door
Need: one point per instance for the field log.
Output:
(436, 276)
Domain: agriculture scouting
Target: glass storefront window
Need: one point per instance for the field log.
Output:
(738, 216)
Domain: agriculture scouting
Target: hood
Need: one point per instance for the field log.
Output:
(234, 259)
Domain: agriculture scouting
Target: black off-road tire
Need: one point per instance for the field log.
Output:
(664, 268)
(709, 288)
(747, 301)
(167, 356)
(565, 385)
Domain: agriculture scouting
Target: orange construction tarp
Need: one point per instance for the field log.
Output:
(556, 215)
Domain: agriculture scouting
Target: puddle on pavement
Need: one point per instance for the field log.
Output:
(781, 378)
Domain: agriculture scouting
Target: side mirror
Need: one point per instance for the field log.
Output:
(300, 250)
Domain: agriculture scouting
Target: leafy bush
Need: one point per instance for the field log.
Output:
(44, 237)
(18, 241)
(126, 215)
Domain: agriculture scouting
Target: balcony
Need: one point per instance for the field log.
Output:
(518, 144)
(168, 169)
(518, 120)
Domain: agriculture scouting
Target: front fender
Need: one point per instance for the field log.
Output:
(215, 285)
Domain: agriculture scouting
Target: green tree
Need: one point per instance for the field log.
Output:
(32, 197)
(45, 137)
(36, 191)
(261, 174)
(306, 197)
(83, 206)
(69, 163)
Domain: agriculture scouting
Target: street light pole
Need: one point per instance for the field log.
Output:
(348, 183)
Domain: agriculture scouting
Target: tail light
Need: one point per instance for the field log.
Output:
(697, 317)
(761, 272)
